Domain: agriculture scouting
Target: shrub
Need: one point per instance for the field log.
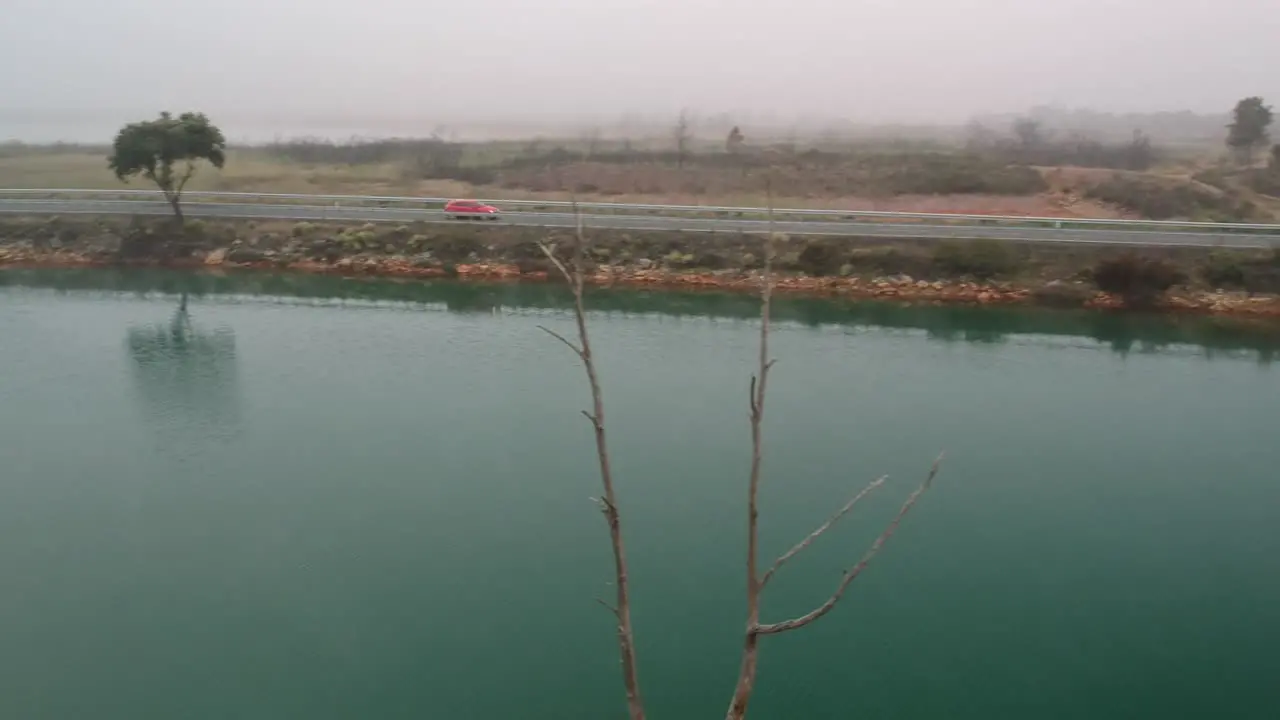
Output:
(1137, 280)
(1160, 201)
(1213, 177)
(356, 239)
(943, 174)
(982, 259)
(302, 229)
(1258, 274)
(891, 261)
(1223, 271)
(454, 248)
(677, 259)
(1264, 180)
(710, 260)
(820, 258)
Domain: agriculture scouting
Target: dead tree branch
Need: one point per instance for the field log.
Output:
(852, 573)
(573, 275)
(755, 582)
(782, 559)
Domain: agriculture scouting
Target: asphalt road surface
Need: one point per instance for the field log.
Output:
(851, 228)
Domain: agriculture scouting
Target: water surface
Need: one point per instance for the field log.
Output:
(333, 499)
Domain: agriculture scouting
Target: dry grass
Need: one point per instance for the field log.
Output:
(258, 171)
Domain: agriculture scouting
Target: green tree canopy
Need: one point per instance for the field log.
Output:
(1248, 129)
(152, 148)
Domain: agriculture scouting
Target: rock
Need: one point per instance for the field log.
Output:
(644, 264)
(217, 257)
(986, 297)
(1062, 294)
(923, 284)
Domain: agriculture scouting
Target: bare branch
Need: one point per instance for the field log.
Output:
(755, 583)
(608, 607)
(573, 276)
(852, 573)
(750, 649)
(549, 251)
(782, 560)
(576, 350)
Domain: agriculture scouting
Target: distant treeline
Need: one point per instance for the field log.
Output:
(14, 148)
(1029, 143)
(892, 172)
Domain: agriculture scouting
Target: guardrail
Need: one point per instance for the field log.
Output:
(829, 214)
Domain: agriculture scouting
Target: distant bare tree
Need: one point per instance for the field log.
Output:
(573, 272)
(592, 141)
(1138, 154)
(682, 133)
(1029, 133)
(733, 143)
(979, 137)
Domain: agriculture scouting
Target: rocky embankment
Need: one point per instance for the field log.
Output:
(972, 273)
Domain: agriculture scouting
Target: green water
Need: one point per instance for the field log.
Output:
(337, 499)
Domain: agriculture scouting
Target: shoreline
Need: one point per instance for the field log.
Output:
(891, 289)
(977, 273)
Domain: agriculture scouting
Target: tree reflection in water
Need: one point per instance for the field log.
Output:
(186, 379)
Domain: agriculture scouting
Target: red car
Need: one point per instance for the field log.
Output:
(469, 210)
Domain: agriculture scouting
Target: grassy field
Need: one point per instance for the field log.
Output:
(880, 178)
(253, 170)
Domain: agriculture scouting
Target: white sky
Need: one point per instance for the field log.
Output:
(919, 61)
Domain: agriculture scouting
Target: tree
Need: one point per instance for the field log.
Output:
(1028, 133)
(1247, 132)
(1138, 154)
(591, 139)
(152, 148)
(573, 272)
(682, 133)
(733, 143)
(979, 137)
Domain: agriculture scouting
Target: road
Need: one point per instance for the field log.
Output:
(851, 228)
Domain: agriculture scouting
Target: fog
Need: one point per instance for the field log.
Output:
(329, 66)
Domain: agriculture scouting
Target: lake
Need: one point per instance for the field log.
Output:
(322, 498)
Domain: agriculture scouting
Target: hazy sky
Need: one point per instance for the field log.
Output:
(869, 60)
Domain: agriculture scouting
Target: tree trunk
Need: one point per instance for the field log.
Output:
(746, 678)
(175, 202)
